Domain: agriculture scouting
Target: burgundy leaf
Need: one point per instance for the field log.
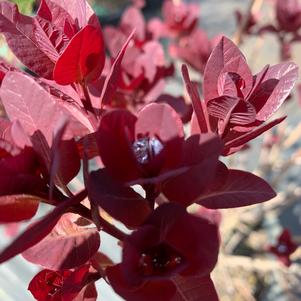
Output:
(146, 292)
(121, 202)
(88, 293)
(240, 188)
(65, 157)
(15, 208)
(19, 31)
(114, 138)
(67, 246)
(194, 288)
(38, 230)
(25, 100)
(222, 54)
(200, 159)
(83, 59)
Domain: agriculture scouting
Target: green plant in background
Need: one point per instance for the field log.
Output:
(25, 6)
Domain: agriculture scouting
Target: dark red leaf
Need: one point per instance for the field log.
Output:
(146, 292)
(192, 90)
(240, 189)
(121, 202)
(194, 288)
(15, 208)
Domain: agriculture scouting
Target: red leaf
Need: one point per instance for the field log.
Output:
(19, 31)
(121, 202)
(159, 290)
(66, 247)
(83, 59)
(39, 229)
(242, 139)
(194, 288)
(196, 101)
(222, 54)
(15, 208)
(80, 11)
(59, 17)
(200, 159)
(25, 100)
(114, 138)
(240, 189)
(285, 75)
(159, 120)
(65, 159)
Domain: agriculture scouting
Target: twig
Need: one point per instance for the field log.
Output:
(253, 8)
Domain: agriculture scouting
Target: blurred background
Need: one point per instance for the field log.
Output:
(247, 271)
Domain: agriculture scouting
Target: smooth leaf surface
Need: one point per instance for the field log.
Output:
(223, 53)
(83, 59)
(240, 189)
(15, 208)
(114, 76)
(121, 202)
(194, 288)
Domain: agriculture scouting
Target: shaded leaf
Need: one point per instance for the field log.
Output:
(240, 189)
(121, 202)
(194, 288)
